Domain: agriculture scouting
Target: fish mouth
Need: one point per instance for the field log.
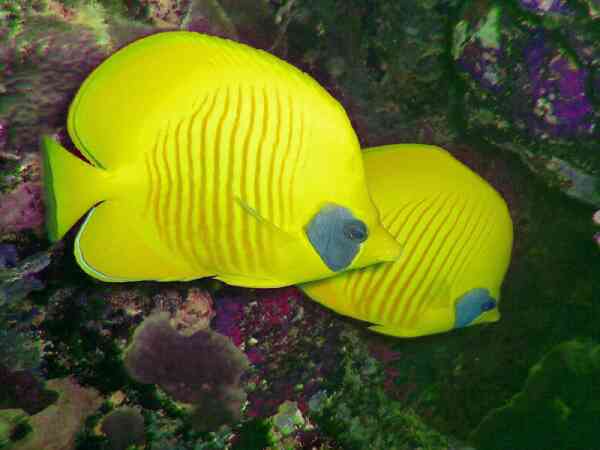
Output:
(380, 248)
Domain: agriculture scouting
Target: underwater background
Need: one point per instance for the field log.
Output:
(510, 88)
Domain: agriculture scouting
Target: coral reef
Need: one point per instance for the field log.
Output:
(21, 390)
(292, 344)
(475, 76)
(55, 427)
(19, 346)
(203, 369)
(195, 314)
(20, 209)
(18, 279)
(14, 426)
(527, 70)
(124, 427)
(358, 411)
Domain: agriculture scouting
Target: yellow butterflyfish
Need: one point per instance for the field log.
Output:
(206, 157)
(457, 236)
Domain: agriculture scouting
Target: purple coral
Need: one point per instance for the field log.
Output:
(21, 389)
(557, 90)
(291, 341)
(202, 369)
(483, 64)
(21, 208)
(124, 427)
(545, 6)
(8, 256)
(229, 314)
(62, 59)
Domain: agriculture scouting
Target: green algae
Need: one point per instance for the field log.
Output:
(360, 414)
(133, 9)
(557, 408)
(14, 426)
(254, 434)
(489, 32)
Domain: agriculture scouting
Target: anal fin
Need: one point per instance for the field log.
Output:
(432, 321)
(391, 330)
(111, 246)
(249, 281)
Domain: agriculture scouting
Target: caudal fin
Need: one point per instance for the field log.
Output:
(71, 187)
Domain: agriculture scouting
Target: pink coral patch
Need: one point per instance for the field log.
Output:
(21, 208)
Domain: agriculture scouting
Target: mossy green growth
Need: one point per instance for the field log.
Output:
(14, 425)
(254, 435)
(361, 415)
(112, 7)
(559, 406)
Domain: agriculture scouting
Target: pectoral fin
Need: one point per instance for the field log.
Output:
(261, 219)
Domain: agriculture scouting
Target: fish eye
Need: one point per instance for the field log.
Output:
(490, 304)
(355, 230)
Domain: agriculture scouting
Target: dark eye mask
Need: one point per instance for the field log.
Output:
(336, 236)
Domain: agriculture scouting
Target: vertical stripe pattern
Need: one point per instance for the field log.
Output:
(440, 236)
(239, 149)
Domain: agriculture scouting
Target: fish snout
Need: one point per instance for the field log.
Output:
(380, 247)
(341, 239)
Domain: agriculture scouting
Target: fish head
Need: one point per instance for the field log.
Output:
(474, 307)
(335, 212)
(343, 240)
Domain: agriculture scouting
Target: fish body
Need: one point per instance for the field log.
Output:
(457, 237)
(207, 157)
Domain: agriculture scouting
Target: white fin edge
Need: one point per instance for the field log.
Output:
(84, 264)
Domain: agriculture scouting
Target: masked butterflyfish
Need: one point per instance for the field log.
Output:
(206, 157)
(457, 236)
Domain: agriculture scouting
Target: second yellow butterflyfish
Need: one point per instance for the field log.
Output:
(457, 234)
(207, 157)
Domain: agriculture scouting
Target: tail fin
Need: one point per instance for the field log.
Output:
(71, 187)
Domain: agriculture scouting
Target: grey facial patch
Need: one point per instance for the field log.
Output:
(336, 235)
(471, 305)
